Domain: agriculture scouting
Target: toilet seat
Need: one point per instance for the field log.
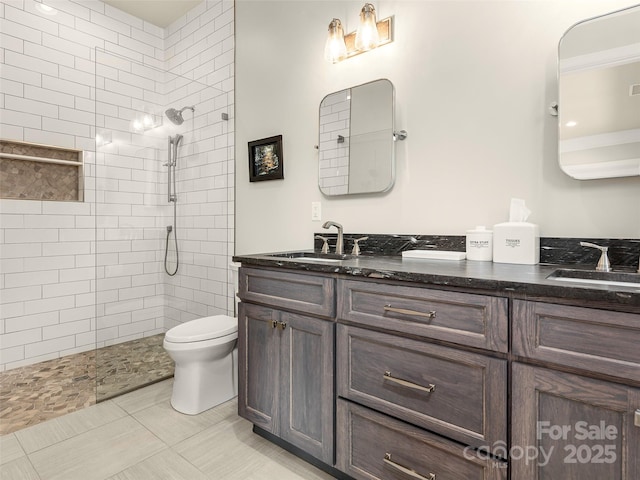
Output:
(201, 329)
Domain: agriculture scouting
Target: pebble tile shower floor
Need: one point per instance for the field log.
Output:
(46, 390)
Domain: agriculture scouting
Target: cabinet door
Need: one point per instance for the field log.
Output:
(307, 385)
(258, 366)
(571, 427)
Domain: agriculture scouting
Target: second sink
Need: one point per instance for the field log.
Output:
(617, 279)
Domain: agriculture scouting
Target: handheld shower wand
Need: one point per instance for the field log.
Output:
(172, 155)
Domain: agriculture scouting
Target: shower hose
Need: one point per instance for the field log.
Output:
(173, 228)
(166, 247)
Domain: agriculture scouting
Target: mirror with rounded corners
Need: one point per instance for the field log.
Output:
(356, 153)
(599, 97)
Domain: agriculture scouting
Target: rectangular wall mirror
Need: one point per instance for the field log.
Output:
(356, 146)
(599, 97)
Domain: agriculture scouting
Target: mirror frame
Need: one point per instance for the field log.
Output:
(598, 153)
(341, 159)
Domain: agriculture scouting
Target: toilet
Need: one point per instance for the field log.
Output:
(206, 361)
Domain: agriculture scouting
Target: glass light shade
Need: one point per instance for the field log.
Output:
(335, 48)
(367, 34)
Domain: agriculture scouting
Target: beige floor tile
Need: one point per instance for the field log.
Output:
(61, 428)
(166, 465)
(97, 454)
(229, 450)
(19, 469)
(10, 449)
(145, 397)
(173, 427)
(228, 410)
(289, 467)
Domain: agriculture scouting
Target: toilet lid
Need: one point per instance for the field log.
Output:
(200, 329)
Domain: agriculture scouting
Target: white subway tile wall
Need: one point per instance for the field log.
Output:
(334, 156)
(74, 276)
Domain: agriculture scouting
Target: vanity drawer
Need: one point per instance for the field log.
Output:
(590, 339)
(372, 446)
(458, 394)
(463, 318)
(295, 291)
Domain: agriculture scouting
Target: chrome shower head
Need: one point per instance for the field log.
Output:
(176, 115)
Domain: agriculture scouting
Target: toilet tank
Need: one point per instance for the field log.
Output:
(233, 280)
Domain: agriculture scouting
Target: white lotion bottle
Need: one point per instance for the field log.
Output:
(480, 244)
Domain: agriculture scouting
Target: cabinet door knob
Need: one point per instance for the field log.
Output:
(405, 383)
(404, 311)
(282, 325)
(274, 323)
(406, 470)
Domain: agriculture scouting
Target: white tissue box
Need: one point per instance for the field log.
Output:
(516, 242)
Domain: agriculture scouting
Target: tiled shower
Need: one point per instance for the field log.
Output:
(79, 276)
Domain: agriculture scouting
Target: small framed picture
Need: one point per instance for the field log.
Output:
(265, 159)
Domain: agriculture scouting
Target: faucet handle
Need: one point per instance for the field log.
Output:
(603, 263)
(325, 245)
(356, 247)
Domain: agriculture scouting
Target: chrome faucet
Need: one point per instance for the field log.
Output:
(340, 241)
(603, 263)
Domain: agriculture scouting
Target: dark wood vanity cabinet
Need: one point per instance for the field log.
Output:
(397, 380)
(568, 426)
(286, 360)
(410, 407)
(572, 425)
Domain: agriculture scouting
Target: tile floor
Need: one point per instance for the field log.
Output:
(138, 436)
(46, 390)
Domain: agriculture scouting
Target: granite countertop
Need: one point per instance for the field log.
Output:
(521, 281)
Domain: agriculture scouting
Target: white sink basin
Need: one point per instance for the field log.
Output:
(311, 257)
(614, 279)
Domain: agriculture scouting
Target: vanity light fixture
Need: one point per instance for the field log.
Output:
(369, 35)
(335, 48)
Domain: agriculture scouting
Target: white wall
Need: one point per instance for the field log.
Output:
(62, 292)
(473, 81)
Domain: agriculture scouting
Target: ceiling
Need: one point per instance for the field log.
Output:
(158, 12)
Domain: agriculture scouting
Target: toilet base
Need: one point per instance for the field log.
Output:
(199, 387)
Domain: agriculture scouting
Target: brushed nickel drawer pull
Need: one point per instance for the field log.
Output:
(389, 308)
(387, 376)
(408, 471)
(636, 418)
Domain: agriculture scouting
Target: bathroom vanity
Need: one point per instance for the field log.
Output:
(383, 368)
